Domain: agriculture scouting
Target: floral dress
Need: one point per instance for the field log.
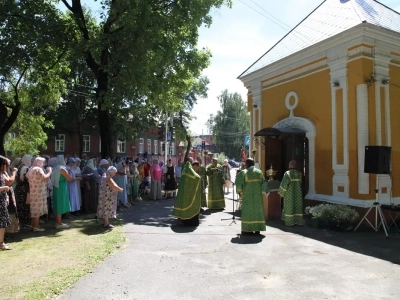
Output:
(107, 200)
(38, 193)
(21, 191)
(4, 216)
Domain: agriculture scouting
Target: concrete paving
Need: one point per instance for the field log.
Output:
(164, 260)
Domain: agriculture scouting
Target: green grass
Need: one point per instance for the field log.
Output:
(42, 265)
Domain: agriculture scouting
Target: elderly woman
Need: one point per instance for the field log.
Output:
(73, 186)
(22, 190)
(108, 197)
(60, 191)
(135, 182)
(156, 176)
(38, 191)
(226, 173)
(78, 174)
(91, 180)
(4, 216)
(121, 179)
(9, 178)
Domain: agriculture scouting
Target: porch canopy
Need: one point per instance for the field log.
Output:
(275, 132)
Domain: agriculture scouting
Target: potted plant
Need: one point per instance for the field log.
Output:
(340, 217)
(313, 215)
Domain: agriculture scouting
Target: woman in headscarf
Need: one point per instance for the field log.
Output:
(59, 180)
(169, 179)
(4, 216)
(121, 179)
(108, 197)
(12, 205)
(135, 182)
(73, 187)
(38, 191)
(91, 181)
(22, 190)
(76, 168)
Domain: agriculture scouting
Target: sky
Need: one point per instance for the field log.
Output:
(238, 36)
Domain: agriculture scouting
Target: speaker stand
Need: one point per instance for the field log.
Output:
(378, 212)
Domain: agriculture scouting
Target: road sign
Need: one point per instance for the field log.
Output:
(247, 140)
(170, 150)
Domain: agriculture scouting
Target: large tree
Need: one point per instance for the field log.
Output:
(31, 64)
(231, 124)
(143, 56)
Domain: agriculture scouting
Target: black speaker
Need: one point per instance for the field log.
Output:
(377, 159)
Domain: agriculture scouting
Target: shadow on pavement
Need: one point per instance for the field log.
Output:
(180, 228)
(247, 239)
(364, 241)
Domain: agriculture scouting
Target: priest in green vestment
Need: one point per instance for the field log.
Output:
(216, 199)
(188, 200)
(290, 190)
(204, 183)
(249, 183)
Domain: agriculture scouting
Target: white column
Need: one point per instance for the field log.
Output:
(362, 136)
(338, 65)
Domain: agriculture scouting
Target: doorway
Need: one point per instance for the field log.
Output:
(289, 144)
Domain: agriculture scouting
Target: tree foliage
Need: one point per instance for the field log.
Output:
(31, 64)
(143, 55)
(231, 124)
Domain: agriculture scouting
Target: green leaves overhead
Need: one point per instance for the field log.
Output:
(230, 125)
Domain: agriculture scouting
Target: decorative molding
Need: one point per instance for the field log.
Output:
(362, 136)
(296, 73)
(291, 108)
(340, 200)
(311, 133)
(341, 176)
(362, 50)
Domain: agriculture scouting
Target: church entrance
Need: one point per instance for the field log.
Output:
(283, 145)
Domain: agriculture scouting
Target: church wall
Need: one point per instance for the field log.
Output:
(314, 104)
(394, 73)
(358, 71)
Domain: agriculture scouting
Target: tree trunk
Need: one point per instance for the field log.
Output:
(6, 122)
(104, 118)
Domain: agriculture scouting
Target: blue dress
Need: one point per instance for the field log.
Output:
(73, 191)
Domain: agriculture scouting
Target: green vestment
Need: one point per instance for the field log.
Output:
(188, 201)
(250, 182)
(290, 190)
(216, 199)
(204, 183)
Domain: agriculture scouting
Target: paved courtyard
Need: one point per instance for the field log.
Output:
(164, 260)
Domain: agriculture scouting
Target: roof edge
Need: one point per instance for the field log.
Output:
(281, 39)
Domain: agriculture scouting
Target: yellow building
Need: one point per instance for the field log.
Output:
(326, 90)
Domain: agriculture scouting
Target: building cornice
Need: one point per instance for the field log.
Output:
(364, 34)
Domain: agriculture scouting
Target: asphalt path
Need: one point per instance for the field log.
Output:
(165, 260)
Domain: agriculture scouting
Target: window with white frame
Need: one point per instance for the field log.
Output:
(86, 143)
(121, 146)
(173, 148)
(60, 143)
(161, 147)
(155, 147)
(149, 146)
(141, 145)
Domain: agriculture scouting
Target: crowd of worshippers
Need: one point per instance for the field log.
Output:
(36, 188)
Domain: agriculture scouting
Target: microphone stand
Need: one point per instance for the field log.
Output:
(233, 206)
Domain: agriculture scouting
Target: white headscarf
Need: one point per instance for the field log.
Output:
(34, 167)
(111, 169)
(55, 176)
(90, 164)
(27, 161)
